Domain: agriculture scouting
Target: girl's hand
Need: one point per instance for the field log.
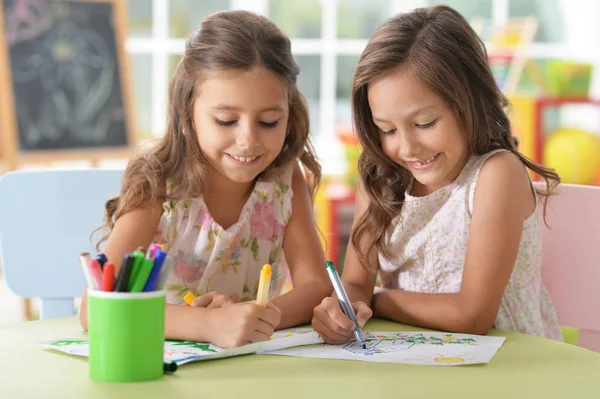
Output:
(333, 325)
(244, 323)
(212, 300)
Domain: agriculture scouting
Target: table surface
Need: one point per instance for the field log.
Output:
(524, 367)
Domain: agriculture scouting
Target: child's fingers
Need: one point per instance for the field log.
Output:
(258, 336)
(270, 316)
(272, 306)
(363, 313)
(220, 301)
(264, 328)
(203, 301)
(328, 335)
(331, 324)
(337, 316)
(330, 309)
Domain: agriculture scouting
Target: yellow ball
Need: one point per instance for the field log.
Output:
(574, 153)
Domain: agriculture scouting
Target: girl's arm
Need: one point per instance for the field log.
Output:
(234, 325)
(306, 259)
(359, 282)
(503, 200)
(134, 229)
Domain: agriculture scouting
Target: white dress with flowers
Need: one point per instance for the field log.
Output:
(205, 257)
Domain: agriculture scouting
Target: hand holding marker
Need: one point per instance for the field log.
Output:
(262, 294)
(338, 286)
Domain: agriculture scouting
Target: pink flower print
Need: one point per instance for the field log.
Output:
(278, 229)
(186, 272)
(188, 267)
(263, 220)
(204, 218)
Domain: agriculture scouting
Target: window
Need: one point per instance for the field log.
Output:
(185, 15)
(139, 13)
(358, 19)
(309, 84)
(297, 19)
(141, 64)
(327, 37)
(550, 28)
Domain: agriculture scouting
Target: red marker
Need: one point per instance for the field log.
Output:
(108, 279)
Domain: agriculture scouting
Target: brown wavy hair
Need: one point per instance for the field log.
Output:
(175, 167)
(439, 47)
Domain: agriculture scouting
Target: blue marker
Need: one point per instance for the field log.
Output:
(101, 258)
(159, 259)
(344, 301)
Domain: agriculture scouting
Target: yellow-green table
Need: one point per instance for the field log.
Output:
(524, 367)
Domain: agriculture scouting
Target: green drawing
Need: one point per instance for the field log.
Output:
(195, 345)
(447, 339)
(66, 342)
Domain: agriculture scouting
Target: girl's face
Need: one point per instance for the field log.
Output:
(418, 130)
(241, 121)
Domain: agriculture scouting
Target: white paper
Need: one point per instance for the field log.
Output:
(182, 352)
(424, 348)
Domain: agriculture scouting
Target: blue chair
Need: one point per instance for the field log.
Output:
(46, 220)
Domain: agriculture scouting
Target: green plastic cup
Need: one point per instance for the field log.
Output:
(126, 334)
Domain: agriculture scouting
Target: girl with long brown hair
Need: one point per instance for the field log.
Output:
(446, 211)
(223, 189)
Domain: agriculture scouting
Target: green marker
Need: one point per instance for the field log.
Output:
(142, 276)
(138, 257)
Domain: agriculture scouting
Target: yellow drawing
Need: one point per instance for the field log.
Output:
(449, 359)
(439, 358)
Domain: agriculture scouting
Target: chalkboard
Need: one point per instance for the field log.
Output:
(65, 63)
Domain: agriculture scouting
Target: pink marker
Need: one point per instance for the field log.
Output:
(151, 254)
(95, 273)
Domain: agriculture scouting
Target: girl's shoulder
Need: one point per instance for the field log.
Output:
(278, 183)
(498, 164)
(498, 174)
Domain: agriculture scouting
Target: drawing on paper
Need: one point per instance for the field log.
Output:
(182, 352)
(387, 343)
(375, 346)
(426, 348)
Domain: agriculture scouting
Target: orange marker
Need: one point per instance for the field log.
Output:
(108, 278)
(189, 298)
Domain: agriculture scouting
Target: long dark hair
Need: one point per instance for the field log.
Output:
(175, 168)
(439, 47)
